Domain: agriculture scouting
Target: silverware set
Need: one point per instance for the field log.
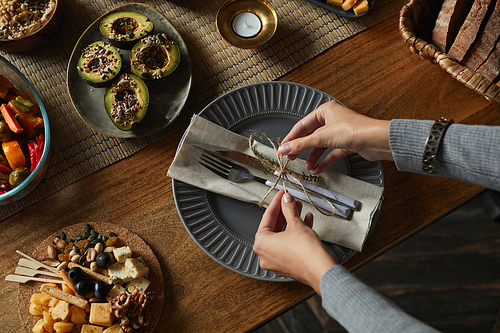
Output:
(236, 173)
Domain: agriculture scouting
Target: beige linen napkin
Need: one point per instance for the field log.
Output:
(349, 233)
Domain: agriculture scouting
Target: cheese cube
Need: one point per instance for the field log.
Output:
(38, 328)
(114, 329)
(347, 4)
(66, 289)
(100, 314)
(78, 316)
(140, 283)
(53, 302)
(60, 311)
(40, 299)
(118, 273)
(136, 267)
(60, 327)
(337, 3)
(48, 322)
(360, 7)
(122, 253)
(86, 328)
(37, 309)
(114, 292)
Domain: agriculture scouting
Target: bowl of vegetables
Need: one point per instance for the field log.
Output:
(24, 135)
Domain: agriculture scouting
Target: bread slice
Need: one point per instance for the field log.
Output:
(469, 29)
(485, 42)
(448, 23)
(490, 69)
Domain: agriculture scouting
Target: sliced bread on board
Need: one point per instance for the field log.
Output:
(469, 29)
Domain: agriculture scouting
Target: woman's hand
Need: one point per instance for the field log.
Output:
(332, 125)
(296, 251)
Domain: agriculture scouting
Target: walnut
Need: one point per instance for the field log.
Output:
(132, 309)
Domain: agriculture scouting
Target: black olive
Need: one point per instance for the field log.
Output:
(103, 260)
(75, 274)
(100, 289)
(84, 286)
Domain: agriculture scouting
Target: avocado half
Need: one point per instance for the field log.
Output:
(99, 64)
(127, 101)
(124, 29)
(154, 57)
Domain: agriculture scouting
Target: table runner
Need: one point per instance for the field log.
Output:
(304, 30)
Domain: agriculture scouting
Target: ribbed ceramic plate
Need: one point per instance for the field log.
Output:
(224, 227)
(166, 96)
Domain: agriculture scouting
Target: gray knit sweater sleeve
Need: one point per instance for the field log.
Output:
(360, 309)
(468, 153)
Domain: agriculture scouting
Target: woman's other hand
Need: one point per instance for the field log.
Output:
(296, 251)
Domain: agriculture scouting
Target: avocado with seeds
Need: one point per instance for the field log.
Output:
(124, 29)
(127, 101)
(99, 64)
(154, 57)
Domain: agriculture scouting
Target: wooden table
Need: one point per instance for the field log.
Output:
(373, 73)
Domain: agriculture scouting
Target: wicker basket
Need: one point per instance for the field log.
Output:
(416, 21)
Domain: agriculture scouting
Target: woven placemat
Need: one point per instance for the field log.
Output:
(304, 31)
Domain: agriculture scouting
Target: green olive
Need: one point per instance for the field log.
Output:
(18, 175)
(5, 133)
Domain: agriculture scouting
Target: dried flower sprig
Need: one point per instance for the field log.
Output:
(275, 164)
(281, 166)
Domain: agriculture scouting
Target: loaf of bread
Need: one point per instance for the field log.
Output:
(490, 69)
(485, 42)
(469, 29)
(469, 32)
(448, 23)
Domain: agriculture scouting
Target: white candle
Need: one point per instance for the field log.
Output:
(246, 25)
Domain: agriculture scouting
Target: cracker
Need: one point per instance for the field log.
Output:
(79, 302)
(90, 273)
(67, 281)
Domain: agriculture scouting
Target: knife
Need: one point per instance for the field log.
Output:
(214, 162)
(340, 201)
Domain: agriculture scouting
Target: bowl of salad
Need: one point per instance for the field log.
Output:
(24, 135)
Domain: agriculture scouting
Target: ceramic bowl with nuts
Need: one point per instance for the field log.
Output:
(27, 24)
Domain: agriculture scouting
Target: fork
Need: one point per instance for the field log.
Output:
(236, 173)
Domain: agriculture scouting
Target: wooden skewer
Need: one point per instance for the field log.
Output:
(24, 279)
(52, 269)
(32, 272)
(28, 263)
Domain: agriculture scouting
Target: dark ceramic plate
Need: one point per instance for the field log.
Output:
(340, 11)
(224, 227)
(166, 97)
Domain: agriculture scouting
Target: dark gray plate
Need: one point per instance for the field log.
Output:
(224, 227)
(166, 97)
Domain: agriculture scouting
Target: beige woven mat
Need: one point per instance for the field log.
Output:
(77, 150)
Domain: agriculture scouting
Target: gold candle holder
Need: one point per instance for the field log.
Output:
(247, 24)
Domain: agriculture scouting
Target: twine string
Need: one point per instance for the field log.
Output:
(282, 168)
